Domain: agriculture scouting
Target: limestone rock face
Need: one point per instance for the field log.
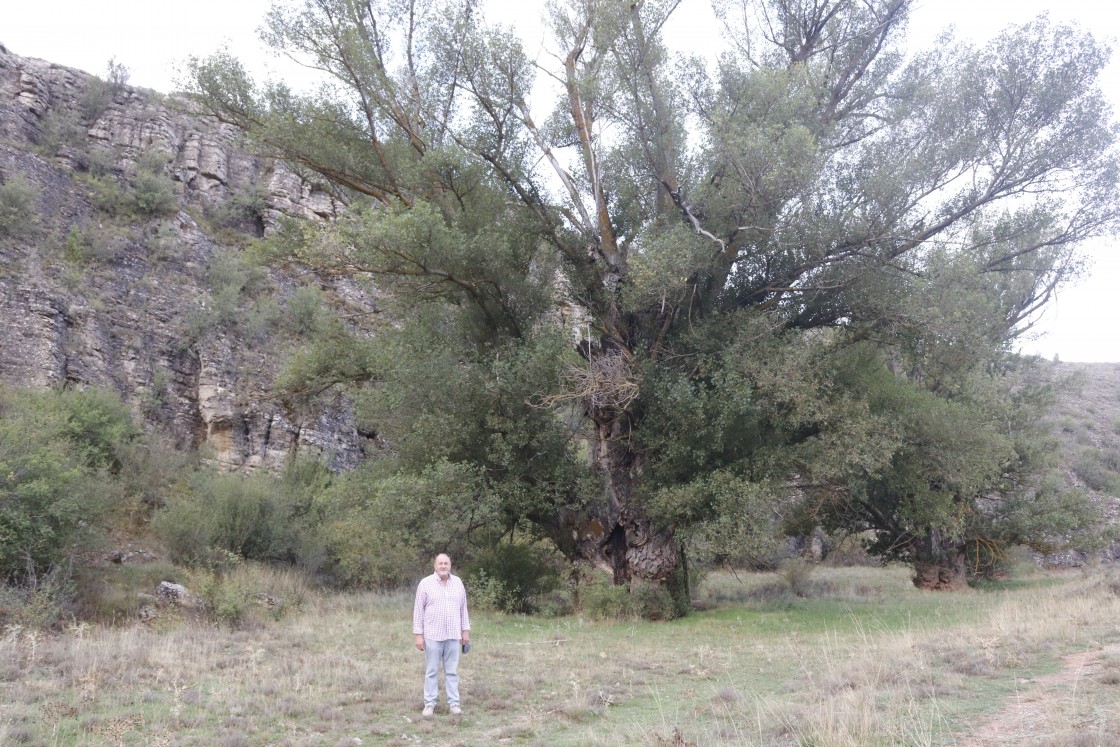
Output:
(127, 301)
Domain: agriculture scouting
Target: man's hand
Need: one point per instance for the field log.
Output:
(465, 638)
(419, 641)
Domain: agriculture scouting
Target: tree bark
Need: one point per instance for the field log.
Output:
(615, 533)
(939, 565)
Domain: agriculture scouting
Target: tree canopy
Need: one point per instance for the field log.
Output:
(690, 290)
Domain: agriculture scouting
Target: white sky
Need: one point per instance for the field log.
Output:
(152, 37)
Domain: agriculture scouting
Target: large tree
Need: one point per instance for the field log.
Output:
(690, 276)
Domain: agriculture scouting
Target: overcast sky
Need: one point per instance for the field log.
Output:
(153, 37)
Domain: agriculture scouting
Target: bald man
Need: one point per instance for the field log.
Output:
(441, 626)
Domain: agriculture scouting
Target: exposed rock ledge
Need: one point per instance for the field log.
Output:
(125, 320)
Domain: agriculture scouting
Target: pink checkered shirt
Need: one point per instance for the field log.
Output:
(440, 610)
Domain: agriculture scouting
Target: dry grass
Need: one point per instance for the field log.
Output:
(869, 661)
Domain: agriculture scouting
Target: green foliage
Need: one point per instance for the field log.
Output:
(802, 278)
(19, 212)
(41, 602)
(306, 316)
(1099, 470)
(237, 299)
(378, 528)
(89, 244)
(60, 453)
(254, 517)
(99, 94)
(511, 577)
(797, 573)
(60, 127)
(601, 600)
(152, 191)
(227, 602)
(242, 211)
(149, 193)
(106, 193)
(247, 595)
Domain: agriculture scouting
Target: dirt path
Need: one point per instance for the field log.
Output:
(1030, 713)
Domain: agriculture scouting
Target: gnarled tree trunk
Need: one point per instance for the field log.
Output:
(939, 564)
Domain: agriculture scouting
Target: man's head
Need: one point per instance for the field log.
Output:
(443, 565)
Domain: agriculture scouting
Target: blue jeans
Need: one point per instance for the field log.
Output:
(448, 653)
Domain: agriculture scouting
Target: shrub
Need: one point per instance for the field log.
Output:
(255, 517)
(242, 211)
(379, 530)
(602, 600)
(797, 573)
(153, 191)
(226, 599)
(59, 128)
(149, 193)
(491, 593)
(229, 513)
(59, 457)
(98, 94)
(556, 603)
(233, 282)
(1093, 467)
(654, 602)
(307, 316)
(41, 602)
(18, 207)
(89, 244)
(511, 576)
(106, 193)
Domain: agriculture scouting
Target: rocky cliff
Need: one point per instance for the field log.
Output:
(127, 270)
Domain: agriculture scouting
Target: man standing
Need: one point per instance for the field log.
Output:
(441, 625)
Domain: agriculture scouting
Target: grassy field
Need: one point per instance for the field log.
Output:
(865, 659)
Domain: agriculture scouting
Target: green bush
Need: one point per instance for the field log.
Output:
(60, 128)
(41, 603)
(512, 576)
(242, 211)
(19, 212)
(380, 529)
(149, 193)
(602, 600)
(86, 244)
(1095, 470)
(222, 514)
(556, 603)
(490, 593)
(307, 316)
(234, 284)
(98, 94)
(255, 517)
(797, 574)
(106, 193)
(654, 602)
(153, 191)
(60, 458)
(226, 599)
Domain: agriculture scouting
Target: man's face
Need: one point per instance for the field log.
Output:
(443, 566)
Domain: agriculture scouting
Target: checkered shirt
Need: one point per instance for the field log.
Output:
(440, 610)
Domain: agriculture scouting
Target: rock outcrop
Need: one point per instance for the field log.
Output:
(127, 300)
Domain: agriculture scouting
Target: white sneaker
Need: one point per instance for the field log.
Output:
(456, 710)
(428, 711)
